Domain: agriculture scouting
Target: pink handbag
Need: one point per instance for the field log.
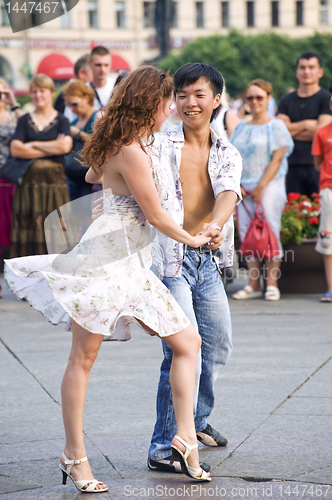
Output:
(260, 241)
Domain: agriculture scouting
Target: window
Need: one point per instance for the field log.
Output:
(225, 14)
(324, 12)
(4, 19)
(174, 15)
(275, 13)
(120, 10)
(148, 14)
(93, 14)
(250, 13)
(299, 13)
(200, 14)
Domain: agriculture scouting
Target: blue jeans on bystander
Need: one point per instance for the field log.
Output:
(201, 294)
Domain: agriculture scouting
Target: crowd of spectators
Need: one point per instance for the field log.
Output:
(275, 141)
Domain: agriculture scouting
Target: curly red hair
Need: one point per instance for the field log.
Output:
(130, 114)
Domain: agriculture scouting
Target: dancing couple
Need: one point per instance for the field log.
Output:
(102, 299)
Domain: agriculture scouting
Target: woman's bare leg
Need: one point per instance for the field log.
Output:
(185, 346)
(254, 268)
(272, 271)
(85, 347)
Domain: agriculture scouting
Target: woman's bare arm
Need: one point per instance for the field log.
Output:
(19, 149)
(59, 146)
(93, 178)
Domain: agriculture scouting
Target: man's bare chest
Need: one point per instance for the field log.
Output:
(194, 172)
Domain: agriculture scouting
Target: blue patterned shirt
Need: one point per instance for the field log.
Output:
(256, 143)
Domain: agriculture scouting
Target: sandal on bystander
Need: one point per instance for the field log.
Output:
(327, 297)
(272, 293)
(247, 293)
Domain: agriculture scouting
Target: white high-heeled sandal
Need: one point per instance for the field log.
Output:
(196, 473)
(89, 483)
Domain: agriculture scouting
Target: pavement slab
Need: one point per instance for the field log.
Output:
(273, 403)
(175, 488)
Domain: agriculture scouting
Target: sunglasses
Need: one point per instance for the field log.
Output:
(74, 104)
(251, 98)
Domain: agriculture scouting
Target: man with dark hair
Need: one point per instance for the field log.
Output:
(82, 71)
(190, 73)
(305, 111)
(204, 186)
(102, 81)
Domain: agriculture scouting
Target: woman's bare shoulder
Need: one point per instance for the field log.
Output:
(129, 155)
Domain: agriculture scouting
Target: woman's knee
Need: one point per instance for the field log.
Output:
(85, 347)
(85, 359)
(192, 342)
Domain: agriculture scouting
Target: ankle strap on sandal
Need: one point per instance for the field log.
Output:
(189, 447)
(71, 463)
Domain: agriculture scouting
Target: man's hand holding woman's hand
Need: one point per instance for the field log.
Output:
(211, 234)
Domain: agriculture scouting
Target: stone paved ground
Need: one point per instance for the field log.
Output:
(273, 403)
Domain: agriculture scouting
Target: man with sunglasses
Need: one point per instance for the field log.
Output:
(304, 112)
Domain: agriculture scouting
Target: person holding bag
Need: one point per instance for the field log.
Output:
(42, 137)
(80, 98)
(264, 145)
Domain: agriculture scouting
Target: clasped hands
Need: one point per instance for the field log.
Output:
(213, 232)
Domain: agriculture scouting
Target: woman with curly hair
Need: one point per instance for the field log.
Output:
(105, 282)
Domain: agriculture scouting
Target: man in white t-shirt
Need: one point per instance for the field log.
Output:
(102, 80)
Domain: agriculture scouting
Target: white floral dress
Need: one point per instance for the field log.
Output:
(104, 283)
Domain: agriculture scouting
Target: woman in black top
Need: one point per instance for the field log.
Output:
(43, 135)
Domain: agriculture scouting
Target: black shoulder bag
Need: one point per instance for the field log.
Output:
(15, 169)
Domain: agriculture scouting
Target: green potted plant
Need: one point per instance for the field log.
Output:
(300, 219)
(302, 268)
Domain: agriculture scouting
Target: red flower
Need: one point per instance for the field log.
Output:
(298, 216)
(313, 220)
(293, 196)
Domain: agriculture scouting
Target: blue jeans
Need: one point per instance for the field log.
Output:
(201, 294)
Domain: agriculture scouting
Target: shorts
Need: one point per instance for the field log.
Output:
(324, 241)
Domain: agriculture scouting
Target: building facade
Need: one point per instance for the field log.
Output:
(126, 27)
